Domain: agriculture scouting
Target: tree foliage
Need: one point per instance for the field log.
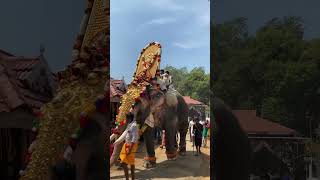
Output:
(194, 83)
(274, 71)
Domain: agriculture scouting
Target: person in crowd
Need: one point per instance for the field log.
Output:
(191, 123)
(161, 72)
(130, 146)
(158, 81)
(162, 85)
(168, 80)
(205, 133)
(197, 130)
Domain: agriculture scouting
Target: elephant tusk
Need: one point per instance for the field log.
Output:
(121, 138)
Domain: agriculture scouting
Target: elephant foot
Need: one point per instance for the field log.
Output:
(171, 156)
(172, 159)
(182, 151)
(149, 162)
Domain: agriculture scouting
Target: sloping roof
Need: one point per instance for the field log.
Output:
(253, 124)
(191, 101)
(4, 53)
(13, 92)
(115, 89)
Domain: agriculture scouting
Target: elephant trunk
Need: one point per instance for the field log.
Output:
(116, 153)
(117, 147)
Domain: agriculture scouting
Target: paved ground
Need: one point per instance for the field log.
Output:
(187, 167)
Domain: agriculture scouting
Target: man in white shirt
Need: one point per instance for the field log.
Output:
(130, 146)
(191, 123)
(161, 83)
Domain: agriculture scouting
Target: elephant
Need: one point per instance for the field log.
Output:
(89, 160)
(170, 113)
(231, 150)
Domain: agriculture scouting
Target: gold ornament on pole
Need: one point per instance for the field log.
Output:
(147, 65)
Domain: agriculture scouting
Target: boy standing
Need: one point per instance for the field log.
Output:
(130, 146)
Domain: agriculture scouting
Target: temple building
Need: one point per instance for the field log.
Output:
(26, 84)
(199, 106)
(276, 149)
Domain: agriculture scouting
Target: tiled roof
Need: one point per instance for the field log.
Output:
(4, 53)
(253, 124)
(191, 101)
(13, 92)
(115, 88)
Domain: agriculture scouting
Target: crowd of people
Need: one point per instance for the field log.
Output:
(198, 130)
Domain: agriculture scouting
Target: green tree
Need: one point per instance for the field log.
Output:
(194, 83)
(274, 71)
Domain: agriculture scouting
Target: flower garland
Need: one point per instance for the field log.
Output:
(129, 101)
(101, 105)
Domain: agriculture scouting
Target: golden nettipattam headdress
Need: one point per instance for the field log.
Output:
(147, 65)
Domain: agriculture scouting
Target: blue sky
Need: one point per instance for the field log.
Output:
(182, 28)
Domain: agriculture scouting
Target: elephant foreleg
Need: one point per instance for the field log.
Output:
(171, 143)
(148, 137)
(182, 142)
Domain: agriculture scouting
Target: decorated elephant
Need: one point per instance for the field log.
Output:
(169, 112)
